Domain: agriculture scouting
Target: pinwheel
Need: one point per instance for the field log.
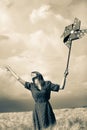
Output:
(71, 33)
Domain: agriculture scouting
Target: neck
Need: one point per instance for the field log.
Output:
(39, 86)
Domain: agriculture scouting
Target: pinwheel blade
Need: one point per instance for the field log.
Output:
(73, 32)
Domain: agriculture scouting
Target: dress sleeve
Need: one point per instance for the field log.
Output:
(54, 87)
(28, 85)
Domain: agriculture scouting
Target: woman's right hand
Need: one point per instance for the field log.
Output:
(8, 68)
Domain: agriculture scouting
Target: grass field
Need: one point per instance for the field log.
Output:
(67, 119)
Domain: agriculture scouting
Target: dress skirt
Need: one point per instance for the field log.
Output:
(43, 116)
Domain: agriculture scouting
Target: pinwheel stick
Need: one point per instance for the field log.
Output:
(68, 59)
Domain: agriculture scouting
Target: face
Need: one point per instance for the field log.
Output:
(37, 82)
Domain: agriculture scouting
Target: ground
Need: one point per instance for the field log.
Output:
(67, 119)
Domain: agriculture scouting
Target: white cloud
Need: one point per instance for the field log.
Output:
(4, 20)
(45, 13)
(41, 40)
(41, 13)
(6, 23)
(1, 71)
(60, 18)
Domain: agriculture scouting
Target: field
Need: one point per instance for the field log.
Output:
(67, 119)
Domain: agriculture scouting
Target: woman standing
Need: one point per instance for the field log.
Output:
(43, 116)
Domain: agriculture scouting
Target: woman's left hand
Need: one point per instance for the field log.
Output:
(66, 73)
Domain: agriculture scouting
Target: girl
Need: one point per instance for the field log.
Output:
(43, 115)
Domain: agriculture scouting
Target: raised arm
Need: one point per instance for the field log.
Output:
(15, 75)
(62, 86)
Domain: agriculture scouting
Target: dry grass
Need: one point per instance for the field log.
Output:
(67, 119)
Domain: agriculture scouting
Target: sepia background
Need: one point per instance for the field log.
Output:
(30, 39)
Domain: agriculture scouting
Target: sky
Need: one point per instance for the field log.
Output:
(30, 39)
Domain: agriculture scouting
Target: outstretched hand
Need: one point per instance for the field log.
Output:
(8, 68)
(66, 73)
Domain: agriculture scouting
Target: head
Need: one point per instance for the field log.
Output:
(37, 77)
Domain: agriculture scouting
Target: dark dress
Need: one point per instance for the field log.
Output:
(43, 115)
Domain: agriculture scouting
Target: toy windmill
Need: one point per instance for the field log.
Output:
(71, 33)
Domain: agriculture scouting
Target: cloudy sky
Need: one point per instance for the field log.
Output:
(30, 40)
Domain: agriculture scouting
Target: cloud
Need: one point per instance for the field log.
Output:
(41, 13)
(6, 24)
(78, 9)
(80, 68)
(42, 39)
(44, 14)
(62, 3)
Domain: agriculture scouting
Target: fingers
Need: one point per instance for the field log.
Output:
(7, 68)
(66, 73)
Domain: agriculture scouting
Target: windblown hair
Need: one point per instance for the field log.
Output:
(38, 76)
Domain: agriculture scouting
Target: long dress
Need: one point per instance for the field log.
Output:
(43, 115)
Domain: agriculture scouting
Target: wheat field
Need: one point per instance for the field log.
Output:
(67, 119)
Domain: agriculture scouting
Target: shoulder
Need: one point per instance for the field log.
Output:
(47, 83)
(29, 85)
